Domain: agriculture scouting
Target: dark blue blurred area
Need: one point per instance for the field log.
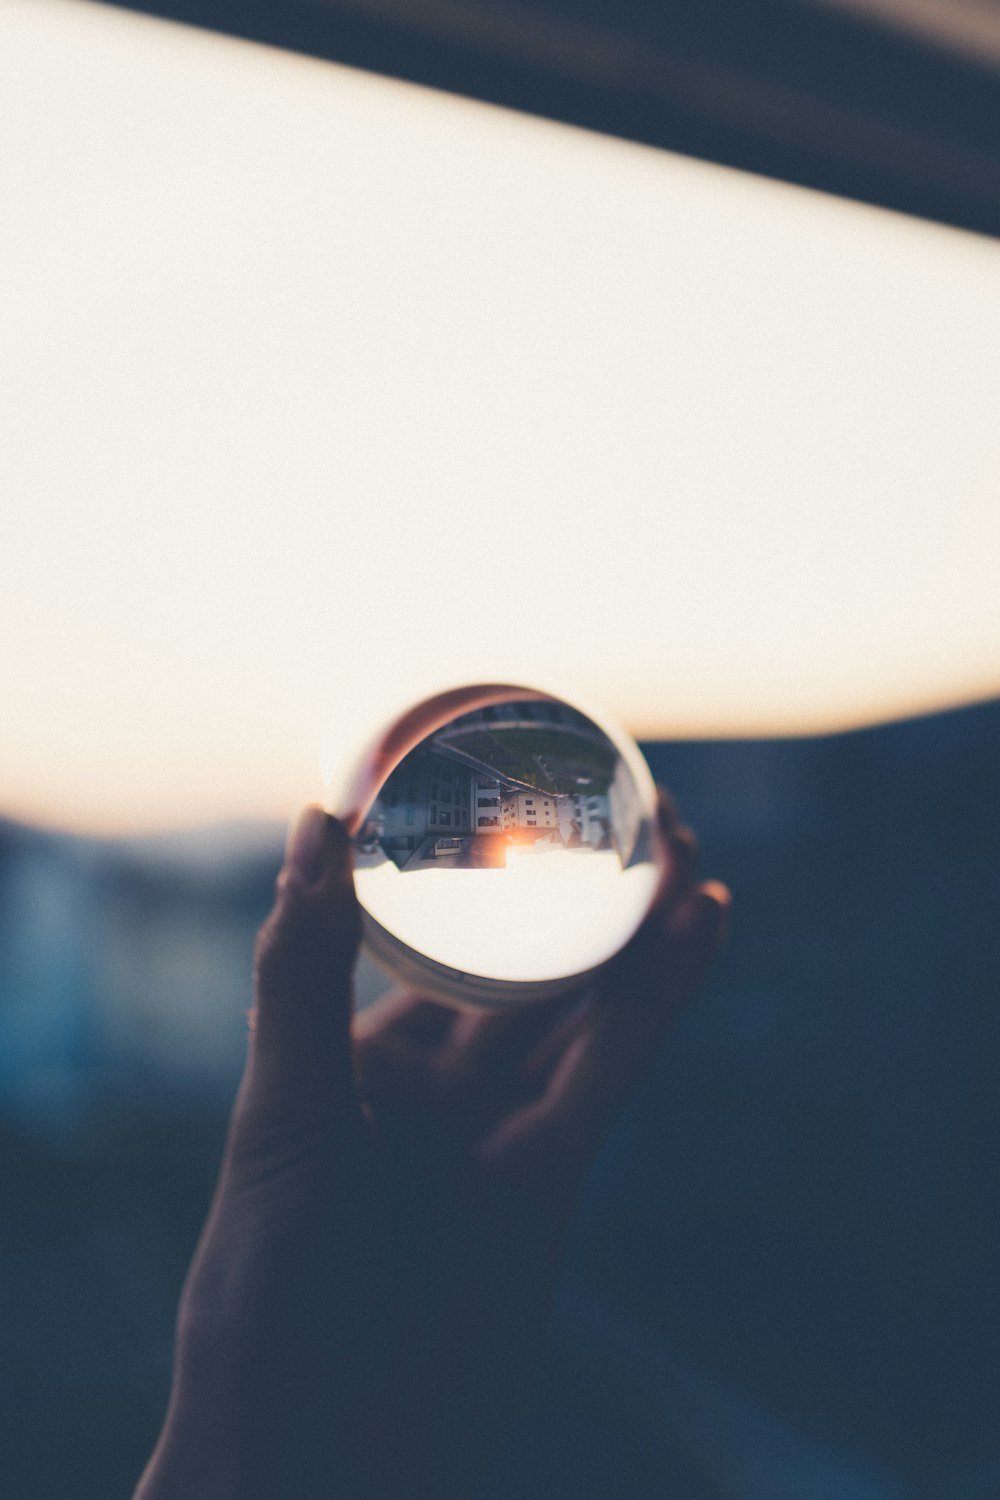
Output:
(784, 1279)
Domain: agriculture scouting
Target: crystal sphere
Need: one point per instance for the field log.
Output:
(505, 844)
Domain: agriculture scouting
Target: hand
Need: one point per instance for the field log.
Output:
(371, 1290)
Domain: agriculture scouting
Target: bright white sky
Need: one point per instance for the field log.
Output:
(544, 916)
(319, 390)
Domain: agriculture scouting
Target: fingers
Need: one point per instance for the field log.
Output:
(661, 971)
(600, 1053)
(488, 1043)
(631, 969)
(666, 809)
(680, 866)
(412, 1052)
(396, 1055)
(405, 1012)
(467, 1040)
(535, 1035)
(304, 962)
(620, 1036)
(637, 968)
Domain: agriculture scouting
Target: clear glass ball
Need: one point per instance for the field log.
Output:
(505, 844)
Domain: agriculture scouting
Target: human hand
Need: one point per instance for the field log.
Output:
(371, 1290)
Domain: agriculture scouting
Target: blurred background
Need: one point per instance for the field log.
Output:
(354, 351)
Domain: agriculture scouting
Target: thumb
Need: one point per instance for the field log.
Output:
(303, 968)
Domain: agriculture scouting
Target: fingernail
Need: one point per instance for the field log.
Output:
(719, 893)
(722, 896)
(708, 907)
(305, 850)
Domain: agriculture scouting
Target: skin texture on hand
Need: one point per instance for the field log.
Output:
(370, 1293)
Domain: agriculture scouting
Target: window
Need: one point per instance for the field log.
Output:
(411, 813)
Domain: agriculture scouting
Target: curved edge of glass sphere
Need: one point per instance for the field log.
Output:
(351, 794)
(472, 991)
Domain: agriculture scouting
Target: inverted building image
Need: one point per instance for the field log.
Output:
(536, 775)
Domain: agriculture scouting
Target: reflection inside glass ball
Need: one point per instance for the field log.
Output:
(512, 846)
